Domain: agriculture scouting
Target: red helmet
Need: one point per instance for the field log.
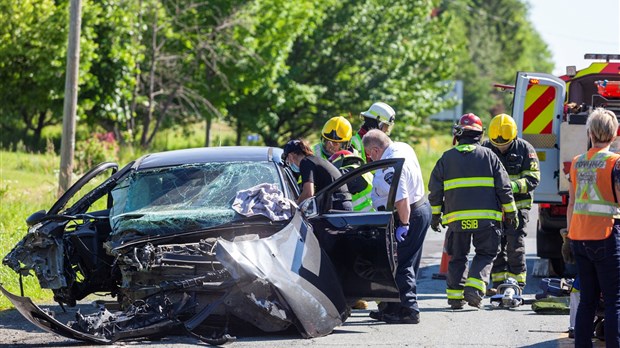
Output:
(470, 121)
(467, 122)
(341, 153)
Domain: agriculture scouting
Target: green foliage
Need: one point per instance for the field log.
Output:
(101, 147)
(337, 58)
(494, 40)
(276, 68)
(31, 66)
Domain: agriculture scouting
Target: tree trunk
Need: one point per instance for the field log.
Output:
(239, 132)
(38, 129)
(208, 131)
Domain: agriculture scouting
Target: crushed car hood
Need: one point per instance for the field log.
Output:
(287, 277)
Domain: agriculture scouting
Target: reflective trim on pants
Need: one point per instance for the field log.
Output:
(454, 294)
(476, 284)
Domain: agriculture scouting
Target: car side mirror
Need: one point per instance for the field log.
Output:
(35, 218)
(308, 207)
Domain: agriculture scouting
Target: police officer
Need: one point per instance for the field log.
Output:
(413, 218)
(470, 187)
(379, 116)
(521, 162)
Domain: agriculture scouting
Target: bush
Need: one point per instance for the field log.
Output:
(100, 148)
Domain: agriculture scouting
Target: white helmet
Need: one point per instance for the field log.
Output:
(383, 113)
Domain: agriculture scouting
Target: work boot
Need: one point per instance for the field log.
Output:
(456, 304)
(360, 304)
(473, 299)
(376, 315)
(405, 316)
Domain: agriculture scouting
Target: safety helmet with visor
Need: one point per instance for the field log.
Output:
(336, 134)
(383, 114)
(502, 130)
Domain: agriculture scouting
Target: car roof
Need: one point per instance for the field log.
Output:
(209, 154)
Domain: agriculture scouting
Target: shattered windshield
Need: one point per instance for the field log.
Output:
(184, 198)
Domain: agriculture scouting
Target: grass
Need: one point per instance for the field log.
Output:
(28, 183)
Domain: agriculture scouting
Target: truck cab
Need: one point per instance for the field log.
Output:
(551, 114)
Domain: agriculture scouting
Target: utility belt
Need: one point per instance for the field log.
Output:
(412, 206)
(417, 204)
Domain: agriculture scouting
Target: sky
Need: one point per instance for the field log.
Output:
(572, 28)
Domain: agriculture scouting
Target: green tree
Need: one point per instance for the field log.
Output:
(495, 40)
(31, 67)
(346, 56)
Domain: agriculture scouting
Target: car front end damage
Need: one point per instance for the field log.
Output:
(205, 288)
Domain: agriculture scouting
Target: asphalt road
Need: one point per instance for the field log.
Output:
(439, 327)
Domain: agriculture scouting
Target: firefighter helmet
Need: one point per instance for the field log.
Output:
(338, 130)
(467, 122)
(383, 114)
(502, 130)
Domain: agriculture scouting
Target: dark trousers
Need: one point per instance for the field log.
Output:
(409, 257)
(486, 243)
(511, 257)
(598, 266)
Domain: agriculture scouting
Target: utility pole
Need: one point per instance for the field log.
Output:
(67, 146)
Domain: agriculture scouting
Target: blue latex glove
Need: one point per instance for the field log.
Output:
(401, 233)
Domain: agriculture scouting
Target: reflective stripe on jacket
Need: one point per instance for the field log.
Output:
(358, 145)
(470, 186)
(595, 206)
(361, 200)
(521, 163)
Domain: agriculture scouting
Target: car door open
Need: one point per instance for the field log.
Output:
(360, 244)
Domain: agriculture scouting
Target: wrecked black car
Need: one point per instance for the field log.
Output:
(202, 241)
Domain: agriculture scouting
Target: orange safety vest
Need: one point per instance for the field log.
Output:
(595, 206)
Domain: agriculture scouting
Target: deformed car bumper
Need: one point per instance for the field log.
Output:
(276, 281)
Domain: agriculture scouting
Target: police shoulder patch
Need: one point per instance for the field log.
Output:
(388, 177)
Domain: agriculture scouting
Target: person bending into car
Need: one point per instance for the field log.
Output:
(413, 213)
(316, 173)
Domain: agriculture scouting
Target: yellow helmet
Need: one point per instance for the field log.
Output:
(338, 130)
(502, 130)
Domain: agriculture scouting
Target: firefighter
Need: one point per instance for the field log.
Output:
(593, 224)
(378, 116)
(335, 136)
(361, 187)
(470, 187)
(521, 162)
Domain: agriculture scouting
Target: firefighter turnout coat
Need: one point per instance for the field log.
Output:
(521, 163)
(470, 186)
